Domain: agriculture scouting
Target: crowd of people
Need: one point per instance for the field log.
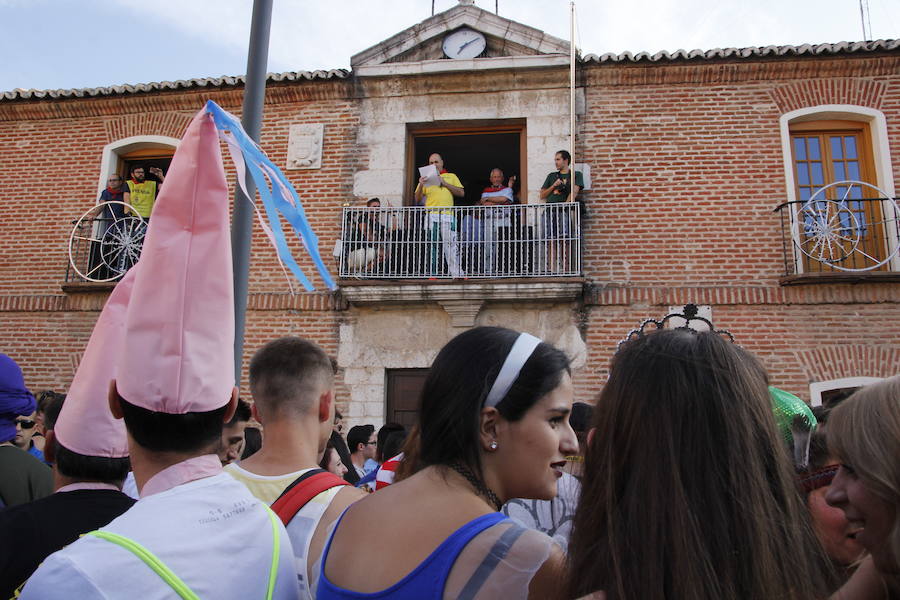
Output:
(689, 477)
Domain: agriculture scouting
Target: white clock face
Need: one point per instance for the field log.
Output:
(464, 43)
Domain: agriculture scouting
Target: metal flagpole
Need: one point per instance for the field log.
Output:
(572, 98)
(242, 217)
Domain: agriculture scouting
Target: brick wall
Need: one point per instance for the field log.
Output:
(687, 167)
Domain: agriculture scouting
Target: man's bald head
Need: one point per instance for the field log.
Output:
(288, 376)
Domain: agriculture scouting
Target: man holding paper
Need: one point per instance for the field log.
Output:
(438, 187)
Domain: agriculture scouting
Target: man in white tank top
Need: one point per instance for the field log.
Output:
(292, 383)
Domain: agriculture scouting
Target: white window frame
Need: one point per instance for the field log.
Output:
(816, 388)
(881, 153)
(113, 151)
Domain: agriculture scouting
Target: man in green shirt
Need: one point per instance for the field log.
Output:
(558, 188)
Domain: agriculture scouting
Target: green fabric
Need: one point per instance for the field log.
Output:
(171, 578)
(151, 561)
(276, 552)
(23, 478)
(548, 182)
(786, 407)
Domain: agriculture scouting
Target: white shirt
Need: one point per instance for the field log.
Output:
(211, 532)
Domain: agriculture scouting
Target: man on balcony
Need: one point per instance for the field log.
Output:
(441, 222)
(558, 188)
(496, 219)
(141, 193)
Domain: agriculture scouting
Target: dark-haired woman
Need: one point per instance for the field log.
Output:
(493, 425)
(688, 492)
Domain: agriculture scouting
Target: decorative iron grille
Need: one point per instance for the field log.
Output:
(825, 235)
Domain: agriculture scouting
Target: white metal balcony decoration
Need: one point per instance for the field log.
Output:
(850, 226)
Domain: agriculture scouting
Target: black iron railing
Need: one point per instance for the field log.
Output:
(847, 235)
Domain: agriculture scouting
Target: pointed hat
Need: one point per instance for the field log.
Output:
(179, 329)
(85, 424)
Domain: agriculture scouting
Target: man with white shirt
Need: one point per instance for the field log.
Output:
(174, 389)
(498, 197)
(292, 382)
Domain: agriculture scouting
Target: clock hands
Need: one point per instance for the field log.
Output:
(473, 40)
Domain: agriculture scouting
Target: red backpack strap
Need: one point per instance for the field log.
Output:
(302, 490)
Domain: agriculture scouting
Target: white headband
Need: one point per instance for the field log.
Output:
(518, 355)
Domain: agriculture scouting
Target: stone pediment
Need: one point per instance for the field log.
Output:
(418, 49)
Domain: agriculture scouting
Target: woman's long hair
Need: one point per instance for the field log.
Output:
(688, 492)
(864, 432)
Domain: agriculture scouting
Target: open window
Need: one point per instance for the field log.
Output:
(470, 149)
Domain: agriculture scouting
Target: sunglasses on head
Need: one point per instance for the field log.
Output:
(25, 423)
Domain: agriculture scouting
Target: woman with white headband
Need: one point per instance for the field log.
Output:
(493, 425)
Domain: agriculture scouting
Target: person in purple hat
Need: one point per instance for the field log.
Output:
(23, 477)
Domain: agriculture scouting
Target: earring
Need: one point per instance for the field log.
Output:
(493, 445)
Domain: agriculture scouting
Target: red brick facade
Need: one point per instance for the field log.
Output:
(687, 167)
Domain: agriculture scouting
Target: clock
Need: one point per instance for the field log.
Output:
(464, 43)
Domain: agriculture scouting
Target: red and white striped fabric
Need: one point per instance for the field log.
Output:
(385, 476)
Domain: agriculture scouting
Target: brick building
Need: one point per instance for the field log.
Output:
(689, 155)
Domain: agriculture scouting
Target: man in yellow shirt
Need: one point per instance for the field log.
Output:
(141, 194)
(441, 223)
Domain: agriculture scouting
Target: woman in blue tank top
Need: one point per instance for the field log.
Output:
(493, 426)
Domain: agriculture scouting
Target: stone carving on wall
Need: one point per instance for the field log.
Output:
(305, 146)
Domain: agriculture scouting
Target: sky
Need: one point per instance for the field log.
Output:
(64, 44)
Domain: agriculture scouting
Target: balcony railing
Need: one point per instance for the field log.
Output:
(541, 240)
(104, 248)
(839, 236)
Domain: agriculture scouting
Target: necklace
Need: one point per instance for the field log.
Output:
(479, 485)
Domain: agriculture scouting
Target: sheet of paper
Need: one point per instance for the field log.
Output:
(431, 172)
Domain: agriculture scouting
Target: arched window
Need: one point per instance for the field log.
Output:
(144, 150)
(827, 144)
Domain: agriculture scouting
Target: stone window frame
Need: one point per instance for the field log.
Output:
(113, 153)
(818, 387)
(879, 144)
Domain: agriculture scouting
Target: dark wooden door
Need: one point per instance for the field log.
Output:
(404, 388)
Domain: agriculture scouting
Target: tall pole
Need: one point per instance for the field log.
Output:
(572, 95)
(242, 217)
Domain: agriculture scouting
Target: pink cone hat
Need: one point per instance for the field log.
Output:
(178, 353)
(85, 423)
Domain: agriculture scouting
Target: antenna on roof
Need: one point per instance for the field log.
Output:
(866, 19)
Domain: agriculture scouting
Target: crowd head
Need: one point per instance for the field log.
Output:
(688, 490)
(288, 377)
(864, 435)
(460, 424)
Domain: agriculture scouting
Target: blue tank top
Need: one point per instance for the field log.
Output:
(427, 580)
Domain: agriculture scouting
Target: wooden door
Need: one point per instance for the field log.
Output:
(824, 152)
(404, 390)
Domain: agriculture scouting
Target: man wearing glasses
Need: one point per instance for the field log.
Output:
(362, 442)
(24, 432)
(23, 478)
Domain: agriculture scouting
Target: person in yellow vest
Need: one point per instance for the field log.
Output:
(141, 194)
(441, 221)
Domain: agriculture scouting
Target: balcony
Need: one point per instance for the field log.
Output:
(840, 241)
(461, 257)
(463, 242)
(101, 250)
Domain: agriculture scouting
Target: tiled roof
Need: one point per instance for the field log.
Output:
(753, 52)
(225, 81)
(624, 57)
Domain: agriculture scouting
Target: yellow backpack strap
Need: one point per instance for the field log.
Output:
(151, 561)
(172, 579)
(276, 551)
